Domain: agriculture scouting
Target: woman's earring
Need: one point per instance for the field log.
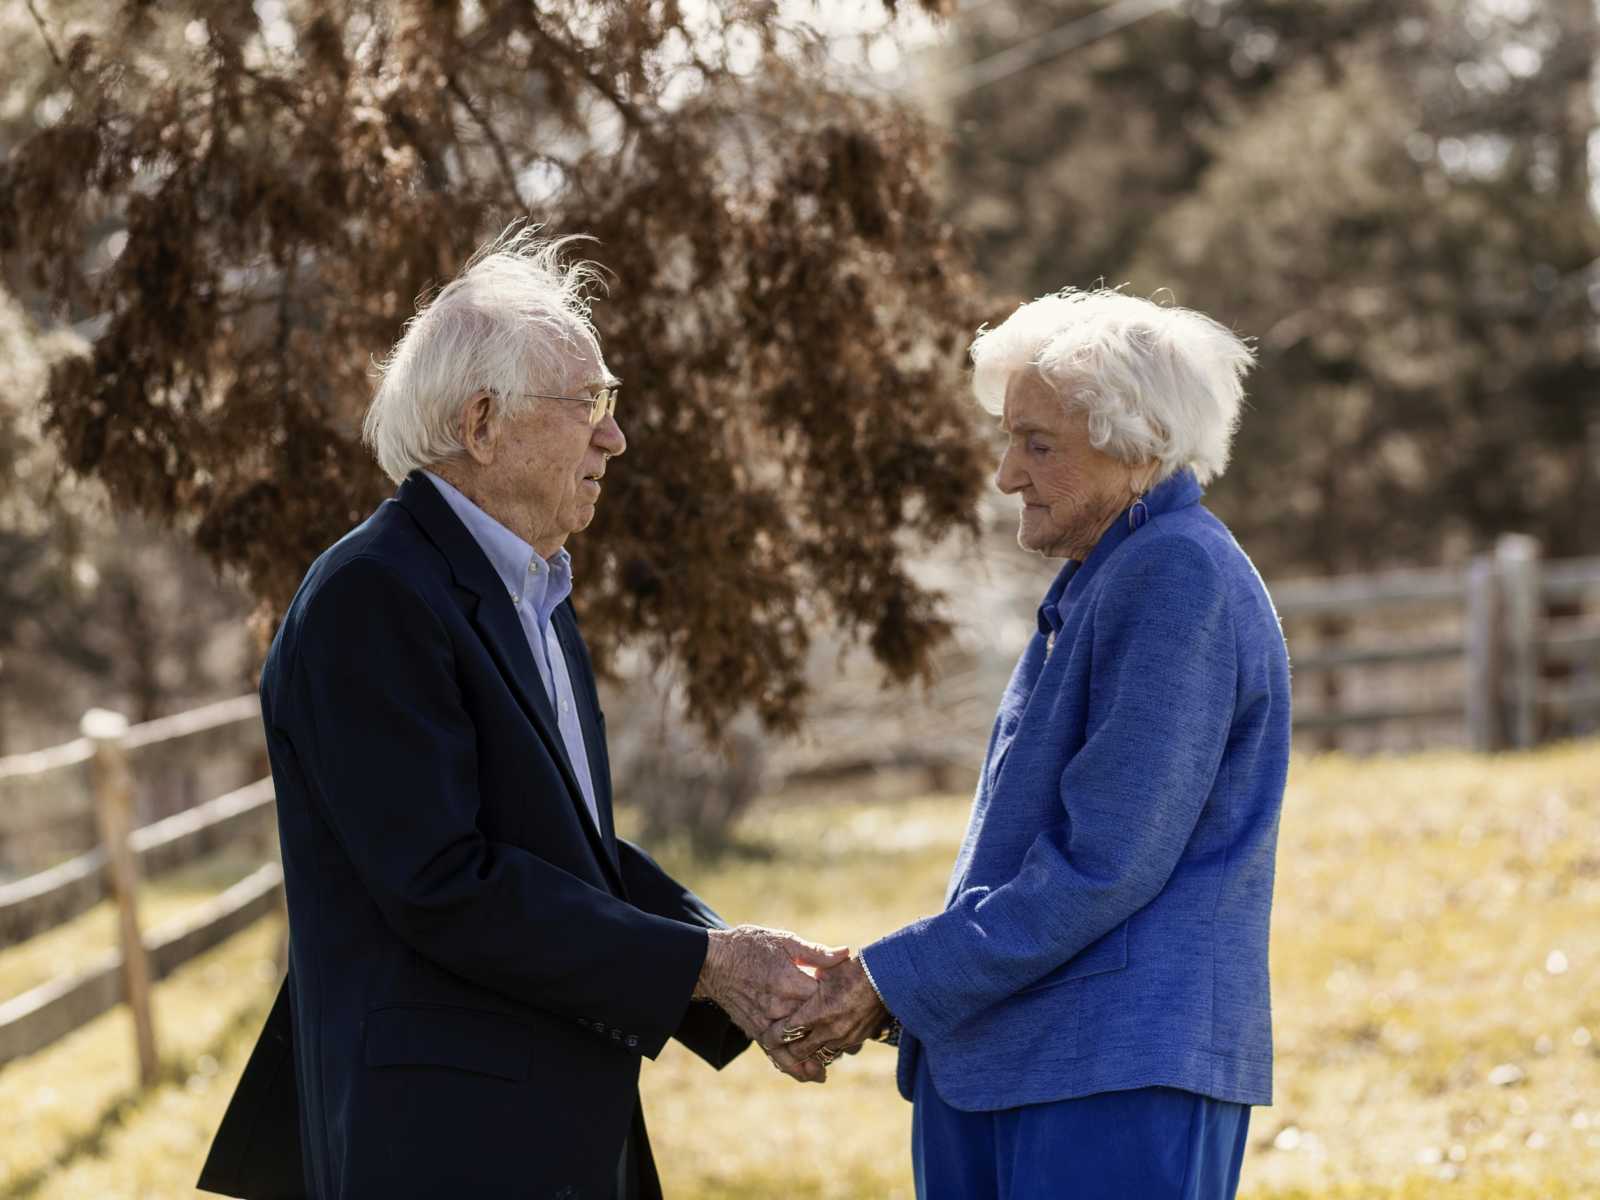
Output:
(1138, 514)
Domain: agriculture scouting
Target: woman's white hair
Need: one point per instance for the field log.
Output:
(1159, 383)
(514, 321)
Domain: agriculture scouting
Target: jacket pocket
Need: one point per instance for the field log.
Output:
(431, 1035)
(1108, 954)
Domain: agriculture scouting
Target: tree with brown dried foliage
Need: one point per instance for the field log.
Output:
(246, 211)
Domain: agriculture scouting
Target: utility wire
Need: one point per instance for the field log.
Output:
(1015, 59)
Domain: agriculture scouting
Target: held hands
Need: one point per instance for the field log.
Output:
(753, 975)
(844, 1013)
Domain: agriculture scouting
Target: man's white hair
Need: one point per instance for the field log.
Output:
(515, 320)
(1159, 383)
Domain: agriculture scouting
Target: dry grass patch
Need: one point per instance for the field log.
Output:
(74, 1113)
(1436, 942)
(1436, 955)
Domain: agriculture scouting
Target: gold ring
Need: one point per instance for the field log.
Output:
(795, 1033)
(826, 1054)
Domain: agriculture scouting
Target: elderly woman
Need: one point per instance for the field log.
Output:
(1089, 1015)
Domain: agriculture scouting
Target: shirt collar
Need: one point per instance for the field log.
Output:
(528, 577)
(1180, 490)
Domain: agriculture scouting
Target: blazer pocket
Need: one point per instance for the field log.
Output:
(1102, 957)
(431, 1035)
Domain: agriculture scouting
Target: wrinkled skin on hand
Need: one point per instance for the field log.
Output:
(753, 974)
(844, 1013)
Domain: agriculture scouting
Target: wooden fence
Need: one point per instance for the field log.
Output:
(97, 766)
(1517, 627)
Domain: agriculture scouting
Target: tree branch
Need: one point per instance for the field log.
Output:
(630, 112)
(498, 146)
(44, 33)
(280, 343)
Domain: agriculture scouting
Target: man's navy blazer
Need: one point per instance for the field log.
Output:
(475, 968)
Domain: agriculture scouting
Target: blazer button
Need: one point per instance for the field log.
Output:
(632, 1042)
(616, 1035)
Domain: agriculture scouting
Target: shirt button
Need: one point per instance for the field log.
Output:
(563, 706)
(533, 568)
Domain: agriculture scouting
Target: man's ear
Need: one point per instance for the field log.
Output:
(479, 430)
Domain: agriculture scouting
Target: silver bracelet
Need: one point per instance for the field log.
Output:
(867, 971)
(890, 1033)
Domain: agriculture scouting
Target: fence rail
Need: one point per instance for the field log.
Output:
(47, 808)
(1529, 652)
(1379, 655)
(1519, 654)
(209, 717)
(1344, 595)
(47, 1013)
(93, 777)
(29, 907)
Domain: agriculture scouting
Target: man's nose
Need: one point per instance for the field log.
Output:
(608, 436)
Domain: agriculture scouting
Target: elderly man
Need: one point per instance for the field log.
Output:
(1089, 1015)
(477, 962)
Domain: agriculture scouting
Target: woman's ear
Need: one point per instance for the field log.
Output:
(479, 430)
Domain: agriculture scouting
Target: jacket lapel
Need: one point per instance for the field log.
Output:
(497, 623)
(594, 742)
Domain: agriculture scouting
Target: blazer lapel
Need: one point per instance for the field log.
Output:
(594, 744)
(496, 621)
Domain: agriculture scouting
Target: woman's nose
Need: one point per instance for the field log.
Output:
(1007, 478)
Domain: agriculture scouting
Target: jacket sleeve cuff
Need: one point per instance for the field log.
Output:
(711, 1034)
(688, 955)
(891, 964)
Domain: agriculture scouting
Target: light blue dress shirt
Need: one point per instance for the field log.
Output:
(536, 588)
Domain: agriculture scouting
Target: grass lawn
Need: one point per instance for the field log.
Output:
(1436, 971)
(75, 1122)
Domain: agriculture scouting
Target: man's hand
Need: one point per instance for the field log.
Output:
(845, 1012)
(754, 975)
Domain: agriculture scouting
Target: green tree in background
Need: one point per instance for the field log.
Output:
(240, 203)
(1392, 197)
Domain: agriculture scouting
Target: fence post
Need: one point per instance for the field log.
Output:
(1332, 629)
(1485, 729)
(1517, 562)
(113, 798)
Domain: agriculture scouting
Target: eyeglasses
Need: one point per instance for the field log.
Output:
(601, 405)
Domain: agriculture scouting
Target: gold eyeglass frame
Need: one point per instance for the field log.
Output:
(601, 405)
